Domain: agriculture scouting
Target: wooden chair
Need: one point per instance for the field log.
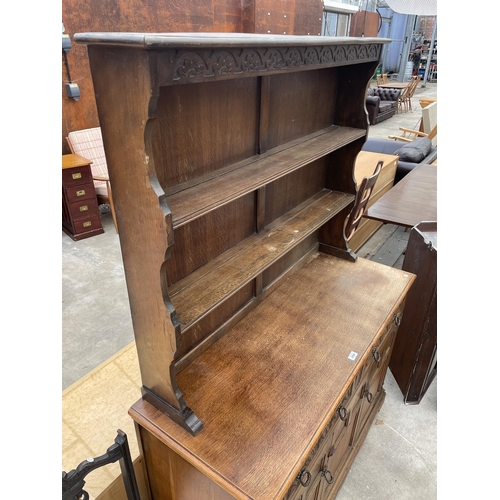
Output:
(88, 143)
(402, 101)
(381, 79)
(410, 135)
(73, 481)
(362, 197)
(425, 127)
(411, 90)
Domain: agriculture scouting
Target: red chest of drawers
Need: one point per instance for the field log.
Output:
(80, 211)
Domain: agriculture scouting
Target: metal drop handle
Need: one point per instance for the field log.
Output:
(368, 395)
(305, 477)
(327, 475)
(397, 319)
(376, 355)
(342, 411)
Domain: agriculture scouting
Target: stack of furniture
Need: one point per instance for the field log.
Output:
(263, 342)
(381, 103)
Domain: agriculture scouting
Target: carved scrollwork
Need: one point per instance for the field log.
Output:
(311, 55)
(294, 58)
(373, 51)
(251, 60)
(340, 54)
(224, 63)
(274, 59)
(189, 65)
(352, 53)
(363, 52)
(326, 55)
(202, 64)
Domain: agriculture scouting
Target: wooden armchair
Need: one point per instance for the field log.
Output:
(409, 135)
(426, 126)
(88, 143)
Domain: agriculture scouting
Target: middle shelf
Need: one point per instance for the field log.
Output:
(208, 286)
(194, 198)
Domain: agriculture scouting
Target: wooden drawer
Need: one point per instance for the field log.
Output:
(81, 192)
(87, 224)
(76, 176)
(84, 209)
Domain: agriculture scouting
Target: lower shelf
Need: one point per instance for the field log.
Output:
(210, 285)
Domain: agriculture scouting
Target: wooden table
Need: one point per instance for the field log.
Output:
(394, 85)
(411, 201)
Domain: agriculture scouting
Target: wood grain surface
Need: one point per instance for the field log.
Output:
(411, 201)
(266, 390)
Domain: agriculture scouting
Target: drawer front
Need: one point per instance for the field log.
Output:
(76, 176)
(87, 224)
(83, 209)
(82, 192)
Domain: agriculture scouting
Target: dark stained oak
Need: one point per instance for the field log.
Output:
(262, 340)
(411, 201)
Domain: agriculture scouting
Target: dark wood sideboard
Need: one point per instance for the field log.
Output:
(263, 342)
(414, 359)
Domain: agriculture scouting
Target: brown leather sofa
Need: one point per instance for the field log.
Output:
(381, 103)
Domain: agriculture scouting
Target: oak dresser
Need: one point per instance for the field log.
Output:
(262, 340)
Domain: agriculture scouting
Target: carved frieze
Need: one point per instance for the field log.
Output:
(199, 65)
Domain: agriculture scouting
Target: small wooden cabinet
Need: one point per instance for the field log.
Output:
(263, 341)
(80, 211)
(364, 168)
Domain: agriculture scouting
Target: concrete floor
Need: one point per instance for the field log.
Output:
(399, 457)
